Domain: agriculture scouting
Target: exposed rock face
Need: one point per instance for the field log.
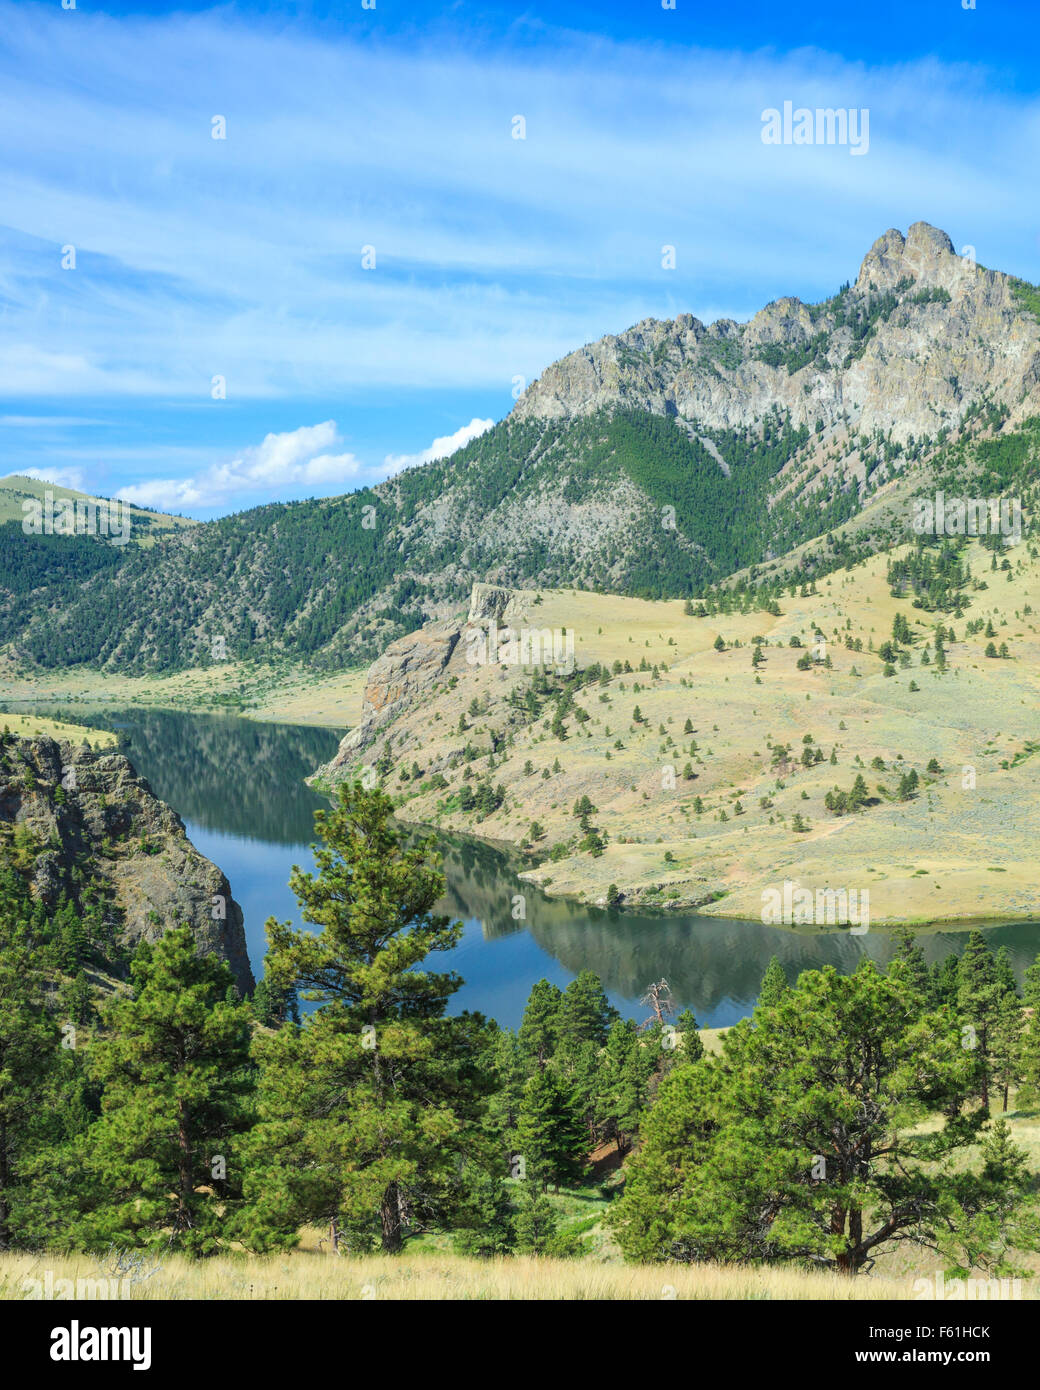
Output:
(405, 670)
(403, 676)
(85, 805)
(490, 603)
(925, 362)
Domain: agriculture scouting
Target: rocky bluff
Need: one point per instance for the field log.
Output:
(73, 806)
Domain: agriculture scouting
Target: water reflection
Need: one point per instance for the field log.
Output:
(239, 787)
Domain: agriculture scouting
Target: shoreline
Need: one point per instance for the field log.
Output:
(670, 912)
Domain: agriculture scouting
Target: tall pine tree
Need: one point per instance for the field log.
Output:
(370, 1110)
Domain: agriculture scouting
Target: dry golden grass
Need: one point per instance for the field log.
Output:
(32, 726)
(955, 853)
(286, 695)
(309, 1274)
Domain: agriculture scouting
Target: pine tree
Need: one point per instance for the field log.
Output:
(30, 1071)
(484, 1220)
(691, 1047)
(1029, 1056)
(539, 1028)
(1006, 1046)
(774, 984)
(859, 795)
(535, 1223)
(550, 1135)
(173, 1061)
(978, 998)
(912, 957)
(942, 982)
(801, 1141)
(507, 1065)
(367, 1110)
(584, 1012)
(1004, 972)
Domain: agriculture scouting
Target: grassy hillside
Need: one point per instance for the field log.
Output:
(725, 828)
(144, 524)
(286, 693)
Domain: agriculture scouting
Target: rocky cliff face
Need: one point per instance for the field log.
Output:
(407, 672)
(395, 682)
(76, 807)
(954, 332)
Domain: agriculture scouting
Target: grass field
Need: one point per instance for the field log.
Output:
(31, 725)
(310, 1273)
(284, 694)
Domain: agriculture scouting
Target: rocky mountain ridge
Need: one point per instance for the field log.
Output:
(957, 333)
(659, 462)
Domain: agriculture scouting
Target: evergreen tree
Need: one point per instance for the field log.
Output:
(1006, 1046)
(367, 1109)
(539, 1028)
(173, 1061)
(507, 1065)
(774, 984)
(978, 998)
(1004, 972)
(535, 1224)
(1029, 1055)
(30, 1072)
(803, 1140)
(691, 1047)
(912, 957)
(942, 982)
(550, 1135)
(584, 1013)
(484, 1221)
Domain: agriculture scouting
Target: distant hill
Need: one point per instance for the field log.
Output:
(661, 462)
(14, 489)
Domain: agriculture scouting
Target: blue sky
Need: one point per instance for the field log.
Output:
(392, 128)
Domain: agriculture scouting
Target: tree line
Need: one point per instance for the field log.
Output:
(847, 1113)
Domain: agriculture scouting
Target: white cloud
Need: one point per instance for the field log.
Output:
(441, 448)
(293, 459)
(60, 477)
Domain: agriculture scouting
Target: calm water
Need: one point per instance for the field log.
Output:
(239, 788)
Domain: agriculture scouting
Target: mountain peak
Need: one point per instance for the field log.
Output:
(925, 254)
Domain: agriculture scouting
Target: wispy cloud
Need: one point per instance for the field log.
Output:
(60, 477)
(37, 422)
(242, 258)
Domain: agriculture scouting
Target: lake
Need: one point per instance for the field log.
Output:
(238, 786)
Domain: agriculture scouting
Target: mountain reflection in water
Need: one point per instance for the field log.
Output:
(238, 785)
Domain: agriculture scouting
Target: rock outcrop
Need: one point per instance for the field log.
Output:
(952, 334)
(406, 669)
(403, 677)
(90, 811)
